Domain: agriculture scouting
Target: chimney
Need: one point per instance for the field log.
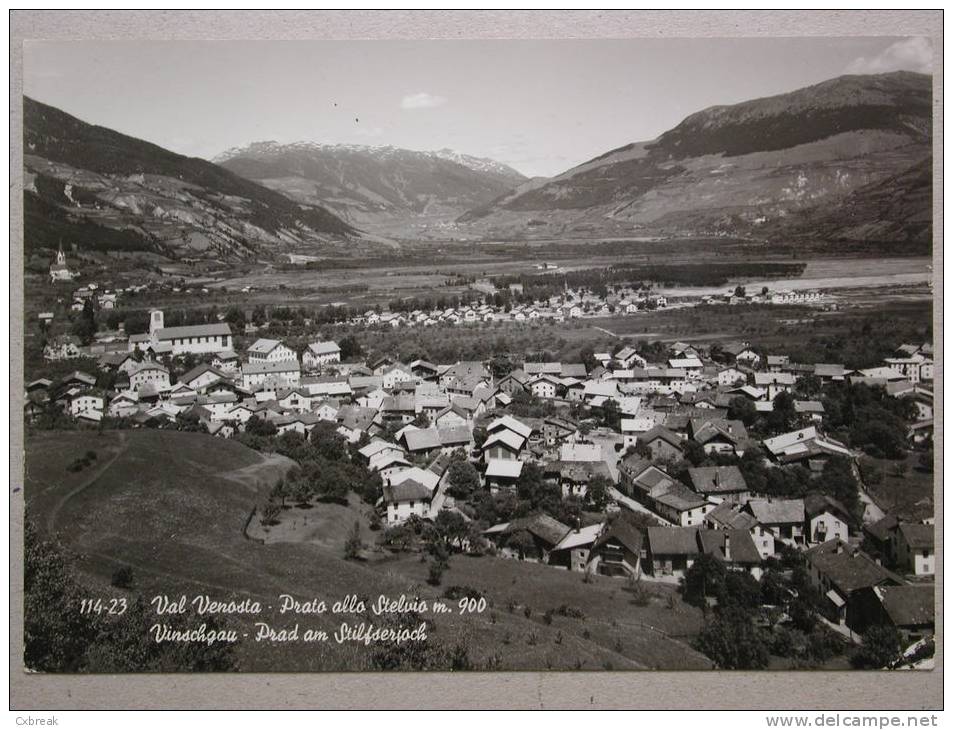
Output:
(727, 546)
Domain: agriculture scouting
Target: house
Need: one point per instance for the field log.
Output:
(881, 538)
(398, 409)
(670, 551)
(731, 516)
(837, 570)
(319, 354)
(663, 443)
(574, 477)
(804, 445)
(406, 499)
(149, 373)
(824, 519)
(914, 548)
(226, 361)
(741, 353)
(528, 538)
(388, 464)
(502, 474)
(503, 444)
(783, 517)
(633, 428)
(573, 551)
(63, 347)
(124, 404)
(731, 376)
(453, 415)
(198, 339)
(720, 435)
(629, 358)
(514, 382)
(85, 402)
(279, 374)
(617, 551)
(910, 609)
(265, 350)
(774, 383)
(202, 376)
(812, 409)
(544, 386)
(725, 483)
(420, 441)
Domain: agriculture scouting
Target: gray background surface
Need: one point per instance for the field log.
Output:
(584, 690)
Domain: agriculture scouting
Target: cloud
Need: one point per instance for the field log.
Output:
(910, 54)
(422, 100)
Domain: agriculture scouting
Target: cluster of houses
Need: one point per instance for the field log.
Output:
(411, 417)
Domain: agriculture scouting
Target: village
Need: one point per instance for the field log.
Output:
(643, 465)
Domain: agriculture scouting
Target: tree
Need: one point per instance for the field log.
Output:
(56, 634)
(742, 409)
(353, 545)
(463, 479)
(597, 492)
(269, 513)
(694, 452)
(881, 647)
(84, 325)
(328, 442)
(733, 642)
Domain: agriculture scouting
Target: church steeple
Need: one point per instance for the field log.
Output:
(60, 256)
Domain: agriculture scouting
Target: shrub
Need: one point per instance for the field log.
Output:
(123, 577)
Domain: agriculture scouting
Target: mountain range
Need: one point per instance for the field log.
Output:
(848, 159)
(375, 187)
(784, 164)
(99, 188)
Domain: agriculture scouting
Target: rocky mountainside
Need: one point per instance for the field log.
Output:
(96, 188)
(377, 187)
(782, 165)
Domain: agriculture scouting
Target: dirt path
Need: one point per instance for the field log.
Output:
(270, 464)
(85, 484)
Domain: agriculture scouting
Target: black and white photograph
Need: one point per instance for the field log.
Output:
(479, 355)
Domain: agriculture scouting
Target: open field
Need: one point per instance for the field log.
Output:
(172, 505)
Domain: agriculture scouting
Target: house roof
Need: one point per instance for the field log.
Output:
(777, 511)
(908, 605)
(259, 368)
(198, 330)
(512, 440)
(673, 540)
(510, 423)
(717, 479)
(546, 528)
(625, 532)
(263, 346)
(808, 406)
(408, 490)
(506, 468)
(426, 477)
(729, 514)
(581, 537)
(681, 498)
(740, 546)
(817, 504)
(849, 570)
(328, 347)
(660, 432)
(450, 435)
(421, 439)
(917, 535)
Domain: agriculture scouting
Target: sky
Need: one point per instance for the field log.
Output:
(539, 106)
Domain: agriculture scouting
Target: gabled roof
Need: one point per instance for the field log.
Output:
(917, 535)
(408, 490)
(848, 569)
(511, 424)
(730, 514)
(328, 347)
(660, 432)
(263, 346)
(201, 370)
(738, 545)
(717, 479)
(506, 468)
(421, 439)
(542, 526)
(777, 511)
(622, 531)
(219, 329)
(260, 368)
(673, 540)
(908, 605)
(508, 438)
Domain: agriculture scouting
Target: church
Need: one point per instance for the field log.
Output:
(59, 271)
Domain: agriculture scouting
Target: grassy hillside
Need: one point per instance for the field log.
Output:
(172, 506)
(57, 136)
